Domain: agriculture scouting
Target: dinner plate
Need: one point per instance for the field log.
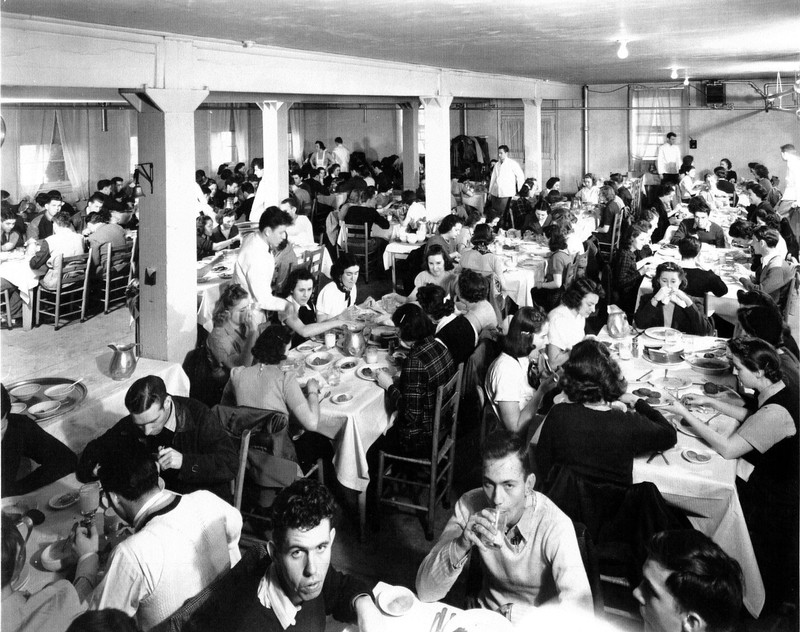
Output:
(697, 456)
(656, 402)
(396, 601)
(341, 398)
(672, 382)
(309, 345)
(64, 500)
(369, 372)
(659, 333)
(347, 364)
(478, 620)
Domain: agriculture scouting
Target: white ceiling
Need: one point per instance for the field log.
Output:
(573, 41)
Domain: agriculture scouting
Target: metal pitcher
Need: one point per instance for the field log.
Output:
(617, 322)
(354, 342)
(123, 362)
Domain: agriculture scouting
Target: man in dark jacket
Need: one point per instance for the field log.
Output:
(191, 447)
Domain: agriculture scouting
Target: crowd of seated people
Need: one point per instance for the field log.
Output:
(546, 382)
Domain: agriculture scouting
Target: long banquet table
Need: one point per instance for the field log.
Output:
(15, 269)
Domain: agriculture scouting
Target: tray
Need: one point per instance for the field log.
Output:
(72, 402)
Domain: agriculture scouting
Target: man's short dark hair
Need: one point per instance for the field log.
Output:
(689, 247)
(472, 286)
(671, 135)
(503, 442)
(787, 147)
(338, 139)
(103, 621)
(145, 392)
(48, 197)
(247, 188)
(290, 201)
(97, 196)
(302, 505)
(127, 467)
(116, 179)
(741, 229)
(703, 578)
(769, 236)
(63, 219)
(102, 184)
(503, 148)
(272, 218)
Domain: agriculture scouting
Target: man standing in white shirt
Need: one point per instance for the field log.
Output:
(789, 206)
(669, 159)
(342, 155)
(507, 180)
(255, 264)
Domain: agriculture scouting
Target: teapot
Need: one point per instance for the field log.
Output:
(617, 322)
(354, 342)
(123, 362)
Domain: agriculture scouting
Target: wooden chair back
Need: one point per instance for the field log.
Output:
(71, 292)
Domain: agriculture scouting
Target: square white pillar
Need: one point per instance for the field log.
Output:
(532, 130)
(410, 114)
(274, 185)
(437, 156)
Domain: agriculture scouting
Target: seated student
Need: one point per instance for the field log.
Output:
(109, 232)
(180, 545)
(775, 272)
(689, 583)
(479, 258)
(447, 236)
(589, 193)
(191, 447)
(64, 241)
(535, 557)
(294, 587)
(265, 385)
(669, 305)
(698, 280)
(589, 433)
(23, 438)
(760, 317)
(415, 211)
(235, 328)
(613, 206)
(300, 230)
(453, 330)
(206, 246)
(303, 319)
(623, 193)
(628, 271)
(10, 237)
(787, 244)
(767, 438)
(438, 270)
(700, 226)
(226, 231)
(473, 291)
(758, 201)
(340, 294)
(518, 380)
(464, 239)
(548, 294)
(535, 223)
(568, 320)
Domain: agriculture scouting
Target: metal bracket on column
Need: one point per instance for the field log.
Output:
(438, 101)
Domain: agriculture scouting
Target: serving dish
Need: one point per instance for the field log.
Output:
(71, 402)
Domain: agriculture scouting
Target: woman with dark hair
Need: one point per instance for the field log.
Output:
(340, 294)
(669, 305)
(759, 316)
(698, 280)
(767, 438)
(10, 237)
(265, 385)
(235, 328)
(206, 246)
(438, 270)
(473, 290)
(535, 222)
(591, 433)
(447, 236)
(758, 202)
(302, 320)
(106, 620)
(628, 272)
(568, 320)
(518, 379)
(320, 158)
(612, 206)
(479, 258)
(762, 176)
(226, 232)
(435, 303)
(464, 238)
(428, 366)
(730, 174)
(548, 294)
(333, 178)
(623, 192)
(688, 185)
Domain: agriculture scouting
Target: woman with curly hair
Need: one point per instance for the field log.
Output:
(766, 437)
(591, 432)
(568, 320)
(235, 328)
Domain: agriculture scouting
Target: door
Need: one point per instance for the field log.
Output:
(549, 147)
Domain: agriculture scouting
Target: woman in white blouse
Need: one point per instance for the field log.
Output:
(340, 294)
(568, 320)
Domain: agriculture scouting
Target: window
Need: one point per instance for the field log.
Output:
(134, 153)
(511, 134)
(44, 165)
(654, 113)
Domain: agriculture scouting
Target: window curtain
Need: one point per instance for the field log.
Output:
(219, 121)
(241, 135)
(33, 128)
(296, 128)
(73, 125)
(652, 118)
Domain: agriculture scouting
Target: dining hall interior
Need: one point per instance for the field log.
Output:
(552, 349)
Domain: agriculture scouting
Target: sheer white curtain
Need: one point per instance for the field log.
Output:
(241, 135)
(652, 117)
(73, 125)
(219, 137)
(30, 144)
(297, 118)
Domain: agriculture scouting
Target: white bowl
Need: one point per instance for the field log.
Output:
(24, 392)
(403, 236)
(44, 409)
(59, 392)
(412, 238)
(319, 361)
(18, 408)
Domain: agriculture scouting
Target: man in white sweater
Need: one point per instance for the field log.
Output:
(532, 559)
(179, 546)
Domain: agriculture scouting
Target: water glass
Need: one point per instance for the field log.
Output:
(330, 340)
(89, 496)
(498, 519)
(672, 338)
(625, 350)
(334, 376)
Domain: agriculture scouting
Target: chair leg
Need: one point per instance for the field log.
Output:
(58, 309)
(431, 518)
(7, 299)
(379, 489)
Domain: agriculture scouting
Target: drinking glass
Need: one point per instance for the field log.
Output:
(89, 496)
(498, 519)
(625, 350)
(334, 376)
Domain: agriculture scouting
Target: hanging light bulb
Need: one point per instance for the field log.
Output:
(686, 80)
(674, 74)
(622, 53)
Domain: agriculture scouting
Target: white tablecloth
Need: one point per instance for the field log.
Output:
(105, 401)
(708, 490)
(18, 271)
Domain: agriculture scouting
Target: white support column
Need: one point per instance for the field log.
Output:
(437, 156)
(167, 277)
(532, 124)
(410, 145)
(274, 185)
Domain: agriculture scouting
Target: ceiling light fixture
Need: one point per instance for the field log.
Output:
(622, 53)
(674, 74)
(686, 79)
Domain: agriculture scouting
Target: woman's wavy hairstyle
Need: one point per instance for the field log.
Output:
(757, 355)
(669, 266)
(436, 249)
(578, 289)
(518, 342)
(271, 344)
(472, 286)
(231, 295)
(432, 299)
(590, 375)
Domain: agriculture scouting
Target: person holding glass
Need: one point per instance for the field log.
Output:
(669, 305)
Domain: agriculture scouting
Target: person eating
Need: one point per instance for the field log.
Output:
(303, 319)
(669, 305)
(339, 296)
